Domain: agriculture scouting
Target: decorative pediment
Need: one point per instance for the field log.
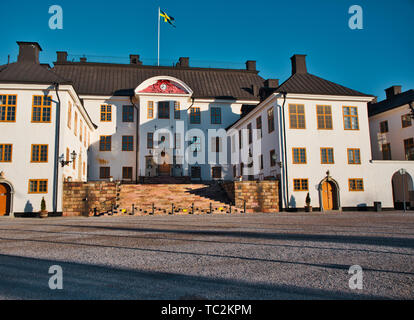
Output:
(165, 86)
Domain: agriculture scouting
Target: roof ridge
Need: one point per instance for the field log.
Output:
(133, 66)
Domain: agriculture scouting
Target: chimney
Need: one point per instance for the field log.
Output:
(392, 91)
(298, 63)
(255, 90)
(251, 65)
(62, 56)
(134, 59)
(271, 83)
(183, 62)
(28, 52)
(83, 59)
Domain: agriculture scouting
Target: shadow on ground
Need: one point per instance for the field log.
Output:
(27, 278)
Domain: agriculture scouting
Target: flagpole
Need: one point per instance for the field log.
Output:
(158, 36)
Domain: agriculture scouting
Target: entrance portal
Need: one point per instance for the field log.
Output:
(164, 169)
(329, 194)
(5, 197)
(402, 187)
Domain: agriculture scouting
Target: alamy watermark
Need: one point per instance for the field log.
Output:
(356, 280)
(56, 280)
(56, 20)
(356, 20)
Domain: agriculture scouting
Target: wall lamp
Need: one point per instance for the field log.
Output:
(63, 162)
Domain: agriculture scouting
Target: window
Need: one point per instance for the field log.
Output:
(406, 120)
(259, 127)
(215, 144)
(241, 168)
(195, 116)
(80, 130)
(38, 186)
(250, 132)
(127, 114)
(324, 115)
(177, 140)
(300, 184)
(177, 110)
(105, 143)
(127, 173)
(409, 149)
(356, 184)
(384, 126)
(350, 118)
(195, 144)
(327, 156)
(84, 140)
(67, 154)
(234, 171)
(84, 168)
(70, 115)
(216, 172)
(106, 113)
(233, 143)
(8, 108)
(104, 172)
(272, 158)
(150, 109)
(5, 152)
(261, 162)
(41, 108)
(39, 153)
(127, 143)
(75, 125)
(240, 139)
(354, 156)
(299, 155)
(163, 110)
(297, 116)
(386, 151)
(150, 140)
(215, 115)
(270, 120)
(195, 172)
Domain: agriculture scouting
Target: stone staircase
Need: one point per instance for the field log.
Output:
(174, 198)
(166, 180)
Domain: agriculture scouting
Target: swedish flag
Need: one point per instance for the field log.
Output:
(167, 18)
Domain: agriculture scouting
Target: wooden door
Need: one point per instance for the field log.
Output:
(327, 195)
(3, 200)
(164, 169)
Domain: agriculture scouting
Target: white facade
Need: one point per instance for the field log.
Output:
(376, 176)
(116, 158)
(394, 134)
(23, 133)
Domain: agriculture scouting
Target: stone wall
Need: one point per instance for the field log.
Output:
(80, 198)
(260, 196)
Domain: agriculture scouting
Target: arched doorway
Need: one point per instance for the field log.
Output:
(5, 199)
(402, 188)
(329, 194)
(164, 169)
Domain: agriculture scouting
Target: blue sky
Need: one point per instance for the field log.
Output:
(227, 33)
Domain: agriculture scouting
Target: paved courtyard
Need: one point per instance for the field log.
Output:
(254, 256)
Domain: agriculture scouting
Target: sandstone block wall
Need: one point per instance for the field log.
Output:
(80, 198)
(260, 196)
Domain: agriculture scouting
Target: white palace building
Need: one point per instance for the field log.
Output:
(133, 123)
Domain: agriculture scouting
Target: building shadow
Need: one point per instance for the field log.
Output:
(28, 278)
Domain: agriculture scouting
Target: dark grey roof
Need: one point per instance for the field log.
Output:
(307, 83)
(121, 79)
(28, 72)
(396, 101)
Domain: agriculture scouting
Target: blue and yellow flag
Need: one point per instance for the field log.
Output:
(167, 18)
